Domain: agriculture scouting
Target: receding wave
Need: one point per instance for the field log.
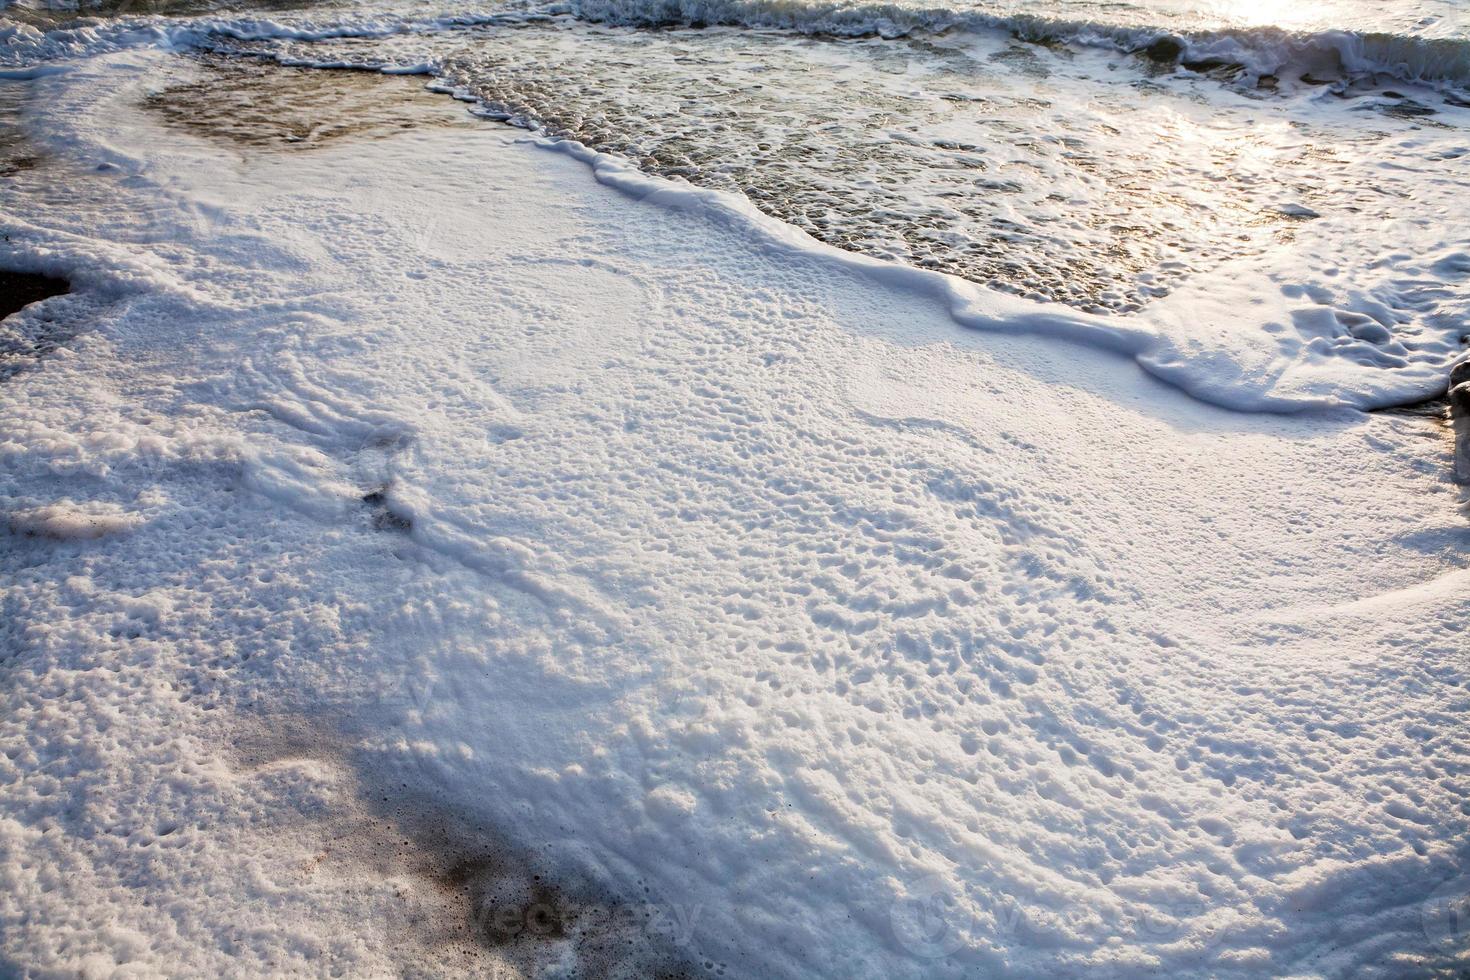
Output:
(1260, 51)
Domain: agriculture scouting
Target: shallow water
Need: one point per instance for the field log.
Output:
(259, 105)
(1064, 173)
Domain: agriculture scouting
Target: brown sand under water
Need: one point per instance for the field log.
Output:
(242, 100)
(255, 103)
(16, 152)
(249, 103)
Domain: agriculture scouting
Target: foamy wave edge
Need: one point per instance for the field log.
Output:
(1264, 51)
(969, 304)
(1259, 51)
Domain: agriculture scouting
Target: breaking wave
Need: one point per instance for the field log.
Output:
(1259, 51)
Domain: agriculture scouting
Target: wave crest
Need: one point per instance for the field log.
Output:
(1259, 51)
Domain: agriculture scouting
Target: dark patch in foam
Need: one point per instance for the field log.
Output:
(1221, 67)
(463, 895)
(513, 903)
(1436, 408)
(20, 289)
(384, 516)
(1408, 109)
(1169, 51)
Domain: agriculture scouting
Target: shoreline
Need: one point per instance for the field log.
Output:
(258, 104)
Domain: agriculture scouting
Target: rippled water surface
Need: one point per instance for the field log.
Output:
(1062, 172)
(1102, 155)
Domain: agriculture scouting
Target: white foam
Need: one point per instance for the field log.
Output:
(1195, 340)
(759, 593)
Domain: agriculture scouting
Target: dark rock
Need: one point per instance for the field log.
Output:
(1407, 109)
(1205, 66)
(1166, 50)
